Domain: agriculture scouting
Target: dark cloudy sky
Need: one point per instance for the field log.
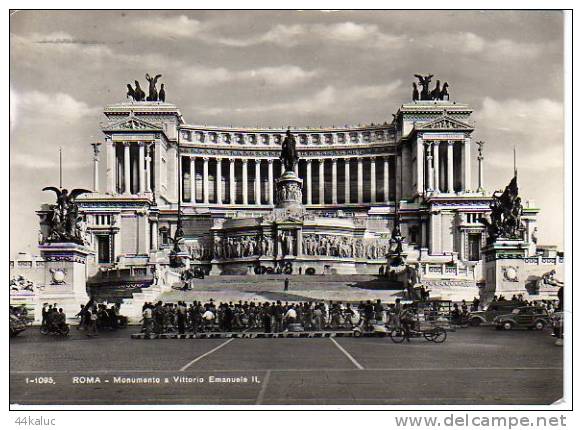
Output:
(285, 68)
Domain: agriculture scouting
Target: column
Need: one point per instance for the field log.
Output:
(429, 173)
(373, 180)
(450, 188)
(296, 169)
(141, 167)
(193, 180)
(154, 243)
(231, 181)
(386, 180)
(245, 182)
(111, 165)
(218, 179)
(257, 181)
(360, 180)
(419, 165)
(347, 180)
(437, 167)
(308, 181)
(126, 169)
(148, 166)
(96, 151)
(205, 179)
(271, 182)
(467, 164)
(322, 181)
(334, 181)
(282, 169)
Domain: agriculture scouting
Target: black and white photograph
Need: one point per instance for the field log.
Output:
(290, 209)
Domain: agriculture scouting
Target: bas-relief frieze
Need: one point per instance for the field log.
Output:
(252, 152)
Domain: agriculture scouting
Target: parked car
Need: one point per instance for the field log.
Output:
(529, 317)
(495, 309)
(16, 325)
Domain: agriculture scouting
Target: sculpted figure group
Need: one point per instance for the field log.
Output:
(343, 247)
(290, 192)
(506, 211)
(438, 93)
(64, 221)
(138, 95)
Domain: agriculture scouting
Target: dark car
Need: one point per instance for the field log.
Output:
(16, 325)
(529, 317)
(495, 309)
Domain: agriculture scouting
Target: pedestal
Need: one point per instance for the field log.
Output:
(289, 190)
(65, 276)
(504, 269)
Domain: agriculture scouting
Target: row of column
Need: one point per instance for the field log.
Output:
(432, 157)
(144, 165)
(308, 180)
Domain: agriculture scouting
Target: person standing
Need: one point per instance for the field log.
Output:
(147, 315)
(266, 317)
(286, 287)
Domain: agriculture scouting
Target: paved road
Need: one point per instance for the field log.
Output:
(474, 366)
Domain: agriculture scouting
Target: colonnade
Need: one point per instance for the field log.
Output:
(244, 181)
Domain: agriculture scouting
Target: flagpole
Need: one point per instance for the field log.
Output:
(60, 167)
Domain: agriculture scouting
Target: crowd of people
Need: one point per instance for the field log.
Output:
(54, 319)
(97, 316)
(267, 317)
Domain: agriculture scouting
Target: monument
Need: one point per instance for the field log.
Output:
(63, 247)
(503, 255)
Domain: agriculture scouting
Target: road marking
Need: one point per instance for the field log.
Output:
(206, 354)
(347, 354)
(261, 395)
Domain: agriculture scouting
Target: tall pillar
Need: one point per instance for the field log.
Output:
(481, 184)
(308, 181)
(360, 180)
(141, 167)
(193, 180)
(257, 181)
(205, 179)
(126, 169)
(450, 167)
(437, 167)
(347, 180)
(148, 169)
(467, 164)
(111, 173)
(429, 173)
(373, 179)
(231, 182)
(334, 181)
(154, 242)
(96, 150)
(386, 180)
(296, 169)
(270, 185)
(218, 179)
(419, 165)
(245, 194)
(322, 181)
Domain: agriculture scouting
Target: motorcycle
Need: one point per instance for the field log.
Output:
(62, 330)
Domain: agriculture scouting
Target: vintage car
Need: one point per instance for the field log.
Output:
(495, 309)
(16, 325)
(529, 317)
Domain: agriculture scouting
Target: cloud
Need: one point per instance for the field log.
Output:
(175, 26)
(50, 106)
(492, 50)
(286, 35)
(534, 124)
(285, 75)
(321, 101)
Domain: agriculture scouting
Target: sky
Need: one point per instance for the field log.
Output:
(280, 68)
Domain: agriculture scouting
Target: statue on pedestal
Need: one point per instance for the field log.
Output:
(64, 220)
(289, 156)
(506, 210)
